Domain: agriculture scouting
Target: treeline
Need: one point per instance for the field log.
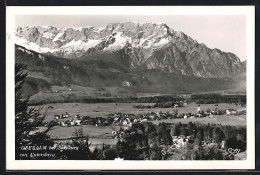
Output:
(71, 98)
(160, 101)
(167, 104)
(213, 133)
(218, 98)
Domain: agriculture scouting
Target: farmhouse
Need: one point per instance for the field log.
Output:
(231, 111)
(179, 141)
(77, 122)
(38, 130)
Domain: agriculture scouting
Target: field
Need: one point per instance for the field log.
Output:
(218, 119)
(97, 134)
(102, 134)
(103, 109)
(91, 109)
(92, 131)
(59, 93)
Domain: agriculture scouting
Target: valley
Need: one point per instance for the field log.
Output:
(99, 135)
(139, 91)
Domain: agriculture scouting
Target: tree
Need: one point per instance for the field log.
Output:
(218, 135)
(109, 153)
(184, 131)
(79, 141)
(155, 153)
(175, 112)
(194, 155)
(218, 155)
(97, 154)
(27, 119)
(164, 134)
(175, 131)
(149, 127)
(197, 144)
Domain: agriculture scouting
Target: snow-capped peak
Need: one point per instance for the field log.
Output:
(119, 43)
(66, 41)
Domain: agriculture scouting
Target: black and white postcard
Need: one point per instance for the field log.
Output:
(130, 88)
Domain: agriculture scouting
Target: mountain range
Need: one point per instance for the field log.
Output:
(147, 45)
(131, 54)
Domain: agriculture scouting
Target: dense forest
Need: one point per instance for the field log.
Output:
(212, 98)
(160, 101)
(146, 141)
(153, 142)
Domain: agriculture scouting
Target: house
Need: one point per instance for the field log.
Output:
(241, 112)
(77, 116)
(63, 124)
(38, 130)
(192, 116)
(222, 145)
(176, 105)
(124, 122)
(128, 120)
(198, 115)
(144, 120)
(231, 111)
(182, 142)
(115, 119)
(179, 141)
(124, 128)
(198, 109)
(72, 123)
(77, 122)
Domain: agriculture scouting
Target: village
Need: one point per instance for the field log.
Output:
(118, 126)
(121, 123)
(127, 120)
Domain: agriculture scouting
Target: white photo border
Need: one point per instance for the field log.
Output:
(12, 164)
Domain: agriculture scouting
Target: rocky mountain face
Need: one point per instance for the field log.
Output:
(45, 72)
(146, 46)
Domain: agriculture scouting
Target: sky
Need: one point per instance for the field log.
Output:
(225, 32)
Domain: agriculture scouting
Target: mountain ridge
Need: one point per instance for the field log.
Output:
(147, 45)
(46, 73)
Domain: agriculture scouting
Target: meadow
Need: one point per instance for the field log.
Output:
(102, 134)
(232, 120)
(97, 134)
(104, 109)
